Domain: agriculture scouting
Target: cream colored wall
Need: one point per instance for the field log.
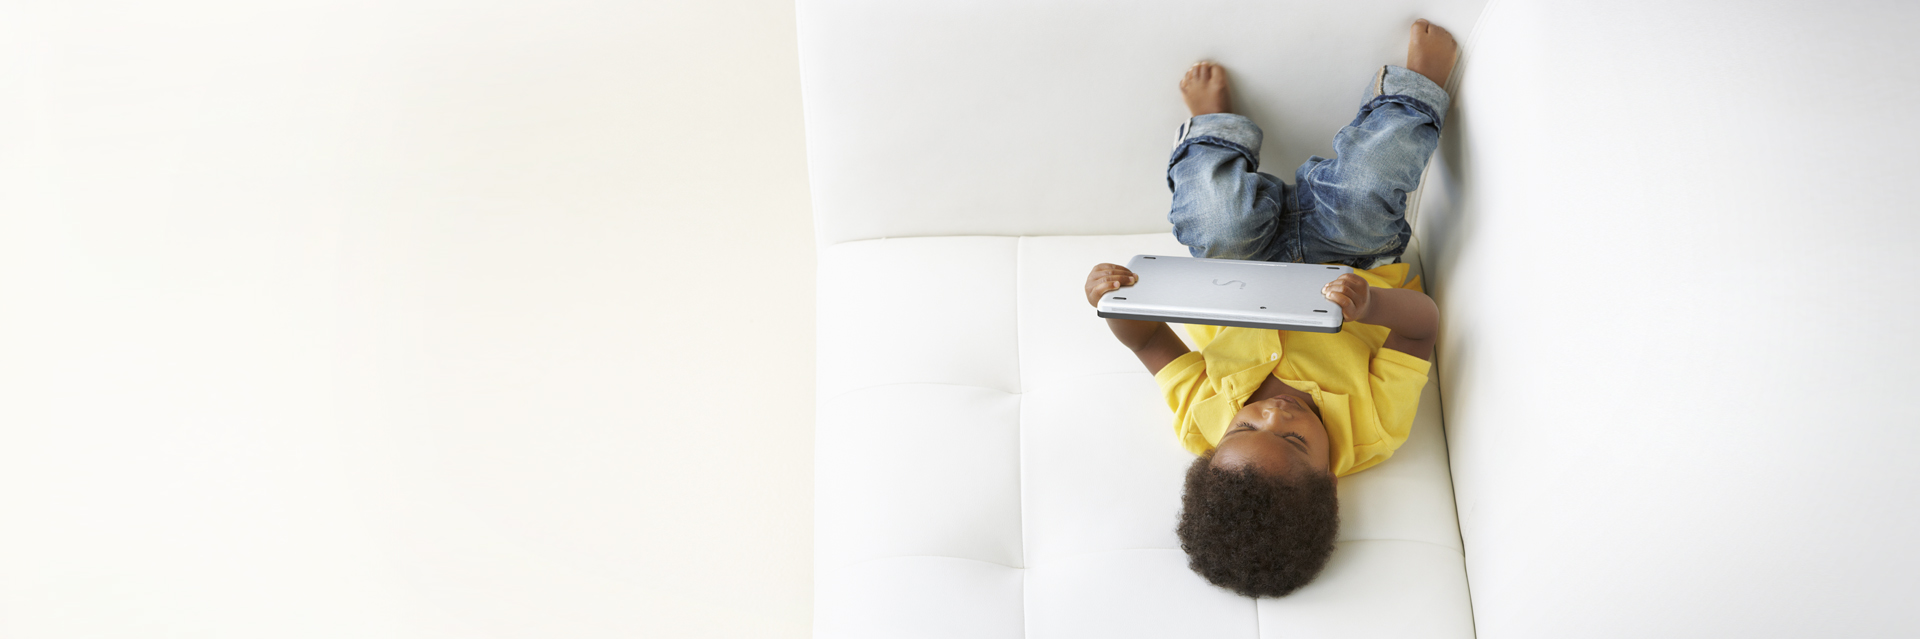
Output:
(404, 319)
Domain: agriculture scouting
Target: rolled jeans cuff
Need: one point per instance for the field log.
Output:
(1230, 130)
(1401, 81)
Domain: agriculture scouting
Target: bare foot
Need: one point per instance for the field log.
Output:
(1205, 89)
(1430, 51)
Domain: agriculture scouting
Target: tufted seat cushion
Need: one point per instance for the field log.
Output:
(991, 463)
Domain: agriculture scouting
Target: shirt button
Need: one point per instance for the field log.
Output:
(1273, 357)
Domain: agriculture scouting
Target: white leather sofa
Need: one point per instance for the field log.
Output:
(1669, 240)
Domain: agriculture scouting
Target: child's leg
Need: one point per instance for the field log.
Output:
(1223, 207)
(1353, 207)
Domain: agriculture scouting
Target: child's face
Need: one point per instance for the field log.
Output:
(1279, 435)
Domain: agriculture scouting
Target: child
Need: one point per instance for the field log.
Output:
(1275, 416)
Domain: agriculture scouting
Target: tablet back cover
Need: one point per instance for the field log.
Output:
(1194, 290)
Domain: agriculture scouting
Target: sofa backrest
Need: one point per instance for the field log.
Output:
(1000, 117)
(1672, 243)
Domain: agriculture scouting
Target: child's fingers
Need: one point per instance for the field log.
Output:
(1110, 283)
(1100, 285)
(1349, 281)
(1108, 270)
(1333, 287)
(1341, 295)
(1342, 301)
(1107, 277)
(1352, 288)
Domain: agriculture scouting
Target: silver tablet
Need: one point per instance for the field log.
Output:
(1196, 290)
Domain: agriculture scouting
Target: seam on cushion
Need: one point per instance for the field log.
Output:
(1020, 466)
(1446, 453)
(911, 237)
(1458, 551)
(1110, 551)
(1020, 381)
(1024, 620)
(1141, 549)
(1019, 357)
(878, 559)
(1342, 541)
(1256, 618)
(1020, 425)
(851, 391)
(1087, 375)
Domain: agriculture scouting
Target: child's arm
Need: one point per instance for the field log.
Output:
(1410, 315)
(1153, 342)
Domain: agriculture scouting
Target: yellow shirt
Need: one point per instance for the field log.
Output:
(1367, 395)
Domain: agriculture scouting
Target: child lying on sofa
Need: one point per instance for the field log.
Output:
(1276, 416)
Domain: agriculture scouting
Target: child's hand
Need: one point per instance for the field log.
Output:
(1106, 277)
(1349, 291)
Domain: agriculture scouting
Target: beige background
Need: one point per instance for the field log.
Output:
(404, 319)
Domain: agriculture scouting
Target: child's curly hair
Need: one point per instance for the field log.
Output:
(1255, 535)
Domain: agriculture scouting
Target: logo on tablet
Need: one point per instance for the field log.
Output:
(1220, 283)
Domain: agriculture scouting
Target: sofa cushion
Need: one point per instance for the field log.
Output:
(990, 462)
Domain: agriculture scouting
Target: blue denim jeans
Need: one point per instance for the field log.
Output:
(1348, 210)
